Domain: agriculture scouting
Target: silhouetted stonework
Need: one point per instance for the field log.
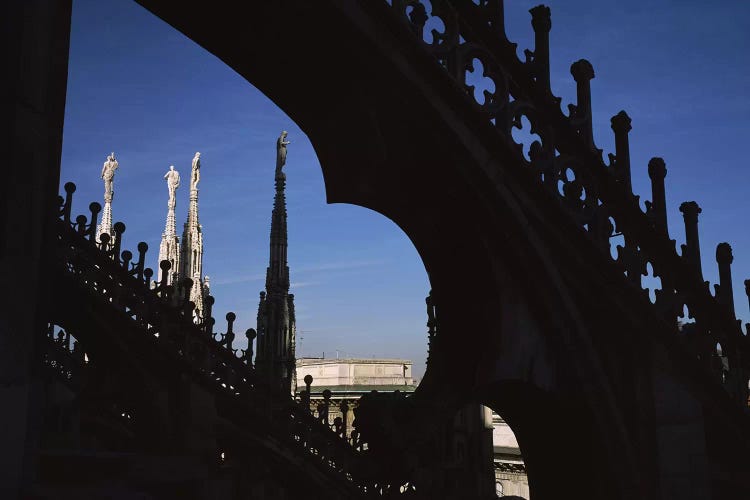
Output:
(517, 241)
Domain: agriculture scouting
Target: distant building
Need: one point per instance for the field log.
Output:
(510, 470)
(357, 375)
(347, 380)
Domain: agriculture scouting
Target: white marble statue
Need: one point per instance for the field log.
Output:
(281, 144)
(195, 177)
(173, 182)
(108, 174)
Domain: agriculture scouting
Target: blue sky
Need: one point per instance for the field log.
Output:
(141, 89)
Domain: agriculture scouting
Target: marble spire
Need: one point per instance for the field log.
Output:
(169, 249)
(108, 174)
(191, 251)
(276, 322)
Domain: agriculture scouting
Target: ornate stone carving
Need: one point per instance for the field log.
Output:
(108, 174)
(195, 176)
(173, 182)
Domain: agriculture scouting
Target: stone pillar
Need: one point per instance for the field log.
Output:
(725, 293)
(35, 39)
(657, 171)
(583, 73)
(691, 250)
(621, 126)
(541, 22)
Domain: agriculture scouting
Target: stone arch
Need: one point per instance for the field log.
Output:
(393, 135)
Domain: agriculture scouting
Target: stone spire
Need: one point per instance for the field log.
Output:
(191, 251)
(170, 244)
(276, 322)
(108, 174)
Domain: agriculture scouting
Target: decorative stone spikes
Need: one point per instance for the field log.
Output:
(691, 250)
(621, 127)
(724, 292)
(583, 73)
(657, 208)
(541, 22)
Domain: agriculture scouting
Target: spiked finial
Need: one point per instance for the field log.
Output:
(657, 208)
(621, 127)
(583, 73)
(691, 251)
(724, 292)
(541, 21)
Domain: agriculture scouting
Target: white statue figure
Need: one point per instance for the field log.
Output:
(281, 144)
(173, 182)
(108, 174)
(195, 177)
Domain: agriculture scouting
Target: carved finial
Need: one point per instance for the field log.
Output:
(657, 169)
(583, 72)
(691, 250)
(657, 208)
(725, 293)
(621, 122)
(541, 22)
(724, 253)
(541, 18)
(621, 126)
(690, 209)
(165, 266)
(69, 188)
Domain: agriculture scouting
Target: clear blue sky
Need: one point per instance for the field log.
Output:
(141, 89)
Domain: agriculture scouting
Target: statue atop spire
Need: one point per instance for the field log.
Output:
(108, 174)
(173, 182)
(281, 144)
(195, 176)
(276, 322)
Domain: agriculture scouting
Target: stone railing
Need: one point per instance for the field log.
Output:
(464, 35)
(165, 317)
